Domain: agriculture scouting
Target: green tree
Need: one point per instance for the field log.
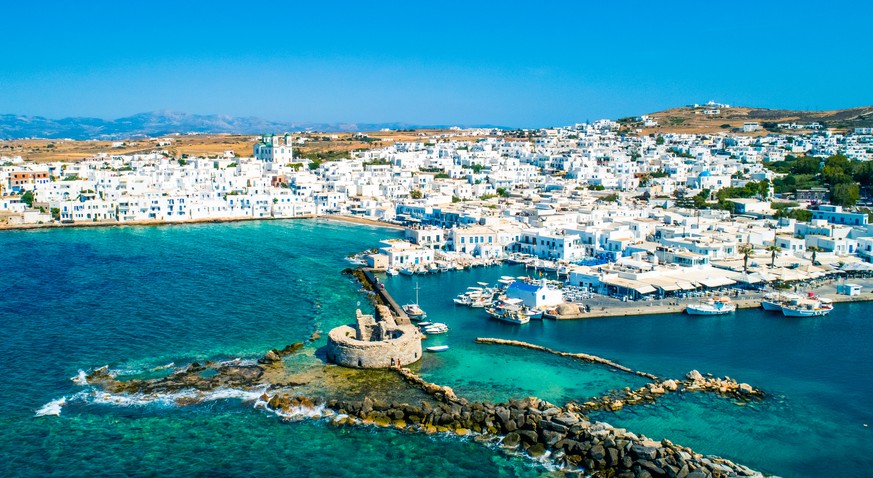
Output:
(416, 194)
(502, 192)
(27, 198)
(659, 140)
(806, 165)
(845, 194)
(699, 199)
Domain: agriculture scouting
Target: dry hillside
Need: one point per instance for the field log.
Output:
(693, 120)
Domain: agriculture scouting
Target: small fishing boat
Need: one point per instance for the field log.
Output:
(391, 271)
(507, 315)
(437, 348)
(534, 314)
(717, 306)
(807, 308)
(407, 271)
(773, 301)
(463, 299)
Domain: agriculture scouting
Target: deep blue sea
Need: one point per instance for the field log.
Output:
(140, 298)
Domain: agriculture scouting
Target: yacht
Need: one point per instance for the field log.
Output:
(413, 310)
(717, 306)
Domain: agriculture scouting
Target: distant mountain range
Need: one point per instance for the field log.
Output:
(161, 123)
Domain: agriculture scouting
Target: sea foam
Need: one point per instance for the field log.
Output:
(52, 408)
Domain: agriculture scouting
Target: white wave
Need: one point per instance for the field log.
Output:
(187, 396)
(52, 408)
(81, 378)
(298, 413)
(239, 362)
(164, 367)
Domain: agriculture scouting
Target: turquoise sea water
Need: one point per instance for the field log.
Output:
(140, 298)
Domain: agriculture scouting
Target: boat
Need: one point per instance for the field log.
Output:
(463, 299)
(506, 280)
(806, 308)
(407, 271)
(717, 306)
(424, 324)
(534, 314)
(773, 301)
(436, 328)
(509, 311)
(413, 310)
(480, 302)
(391, 271)
(437, 348)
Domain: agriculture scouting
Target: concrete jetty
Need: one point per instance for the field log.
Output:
(383, 295)
(580, 356)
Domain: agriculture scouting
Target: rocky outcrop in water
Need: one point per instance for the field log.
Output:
(274, 356)
(694, 382)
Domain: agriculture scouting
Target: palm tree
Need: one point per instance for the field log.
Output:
(746, 251)
(773, 250)
(814, 250)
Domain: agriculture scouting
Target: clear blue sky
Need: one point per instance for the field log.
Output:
(507, 63)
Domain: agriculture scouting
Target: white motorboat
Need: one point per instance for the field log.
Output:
(463, 299)
(506, 280)
(717, 306)
(437, 348)
(391, 271)
(436, 328)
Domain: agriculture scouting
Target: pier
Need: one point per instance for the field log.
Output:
(383, 295)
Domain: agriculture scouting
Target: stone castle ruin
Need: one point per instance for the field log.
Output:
(381, 340)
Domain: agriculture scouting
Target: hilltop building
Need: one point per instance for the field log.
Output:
(274, 149)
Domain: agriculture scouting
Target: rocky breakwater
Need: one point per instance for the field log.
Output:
(694, 382)
(541, 429)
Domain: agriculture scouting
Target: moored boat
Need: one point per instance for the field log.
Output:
(717, 306)
(437, 348)
(413, 310)
(806, 308)
(436, 328)
(773, 301)
(507, 315)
